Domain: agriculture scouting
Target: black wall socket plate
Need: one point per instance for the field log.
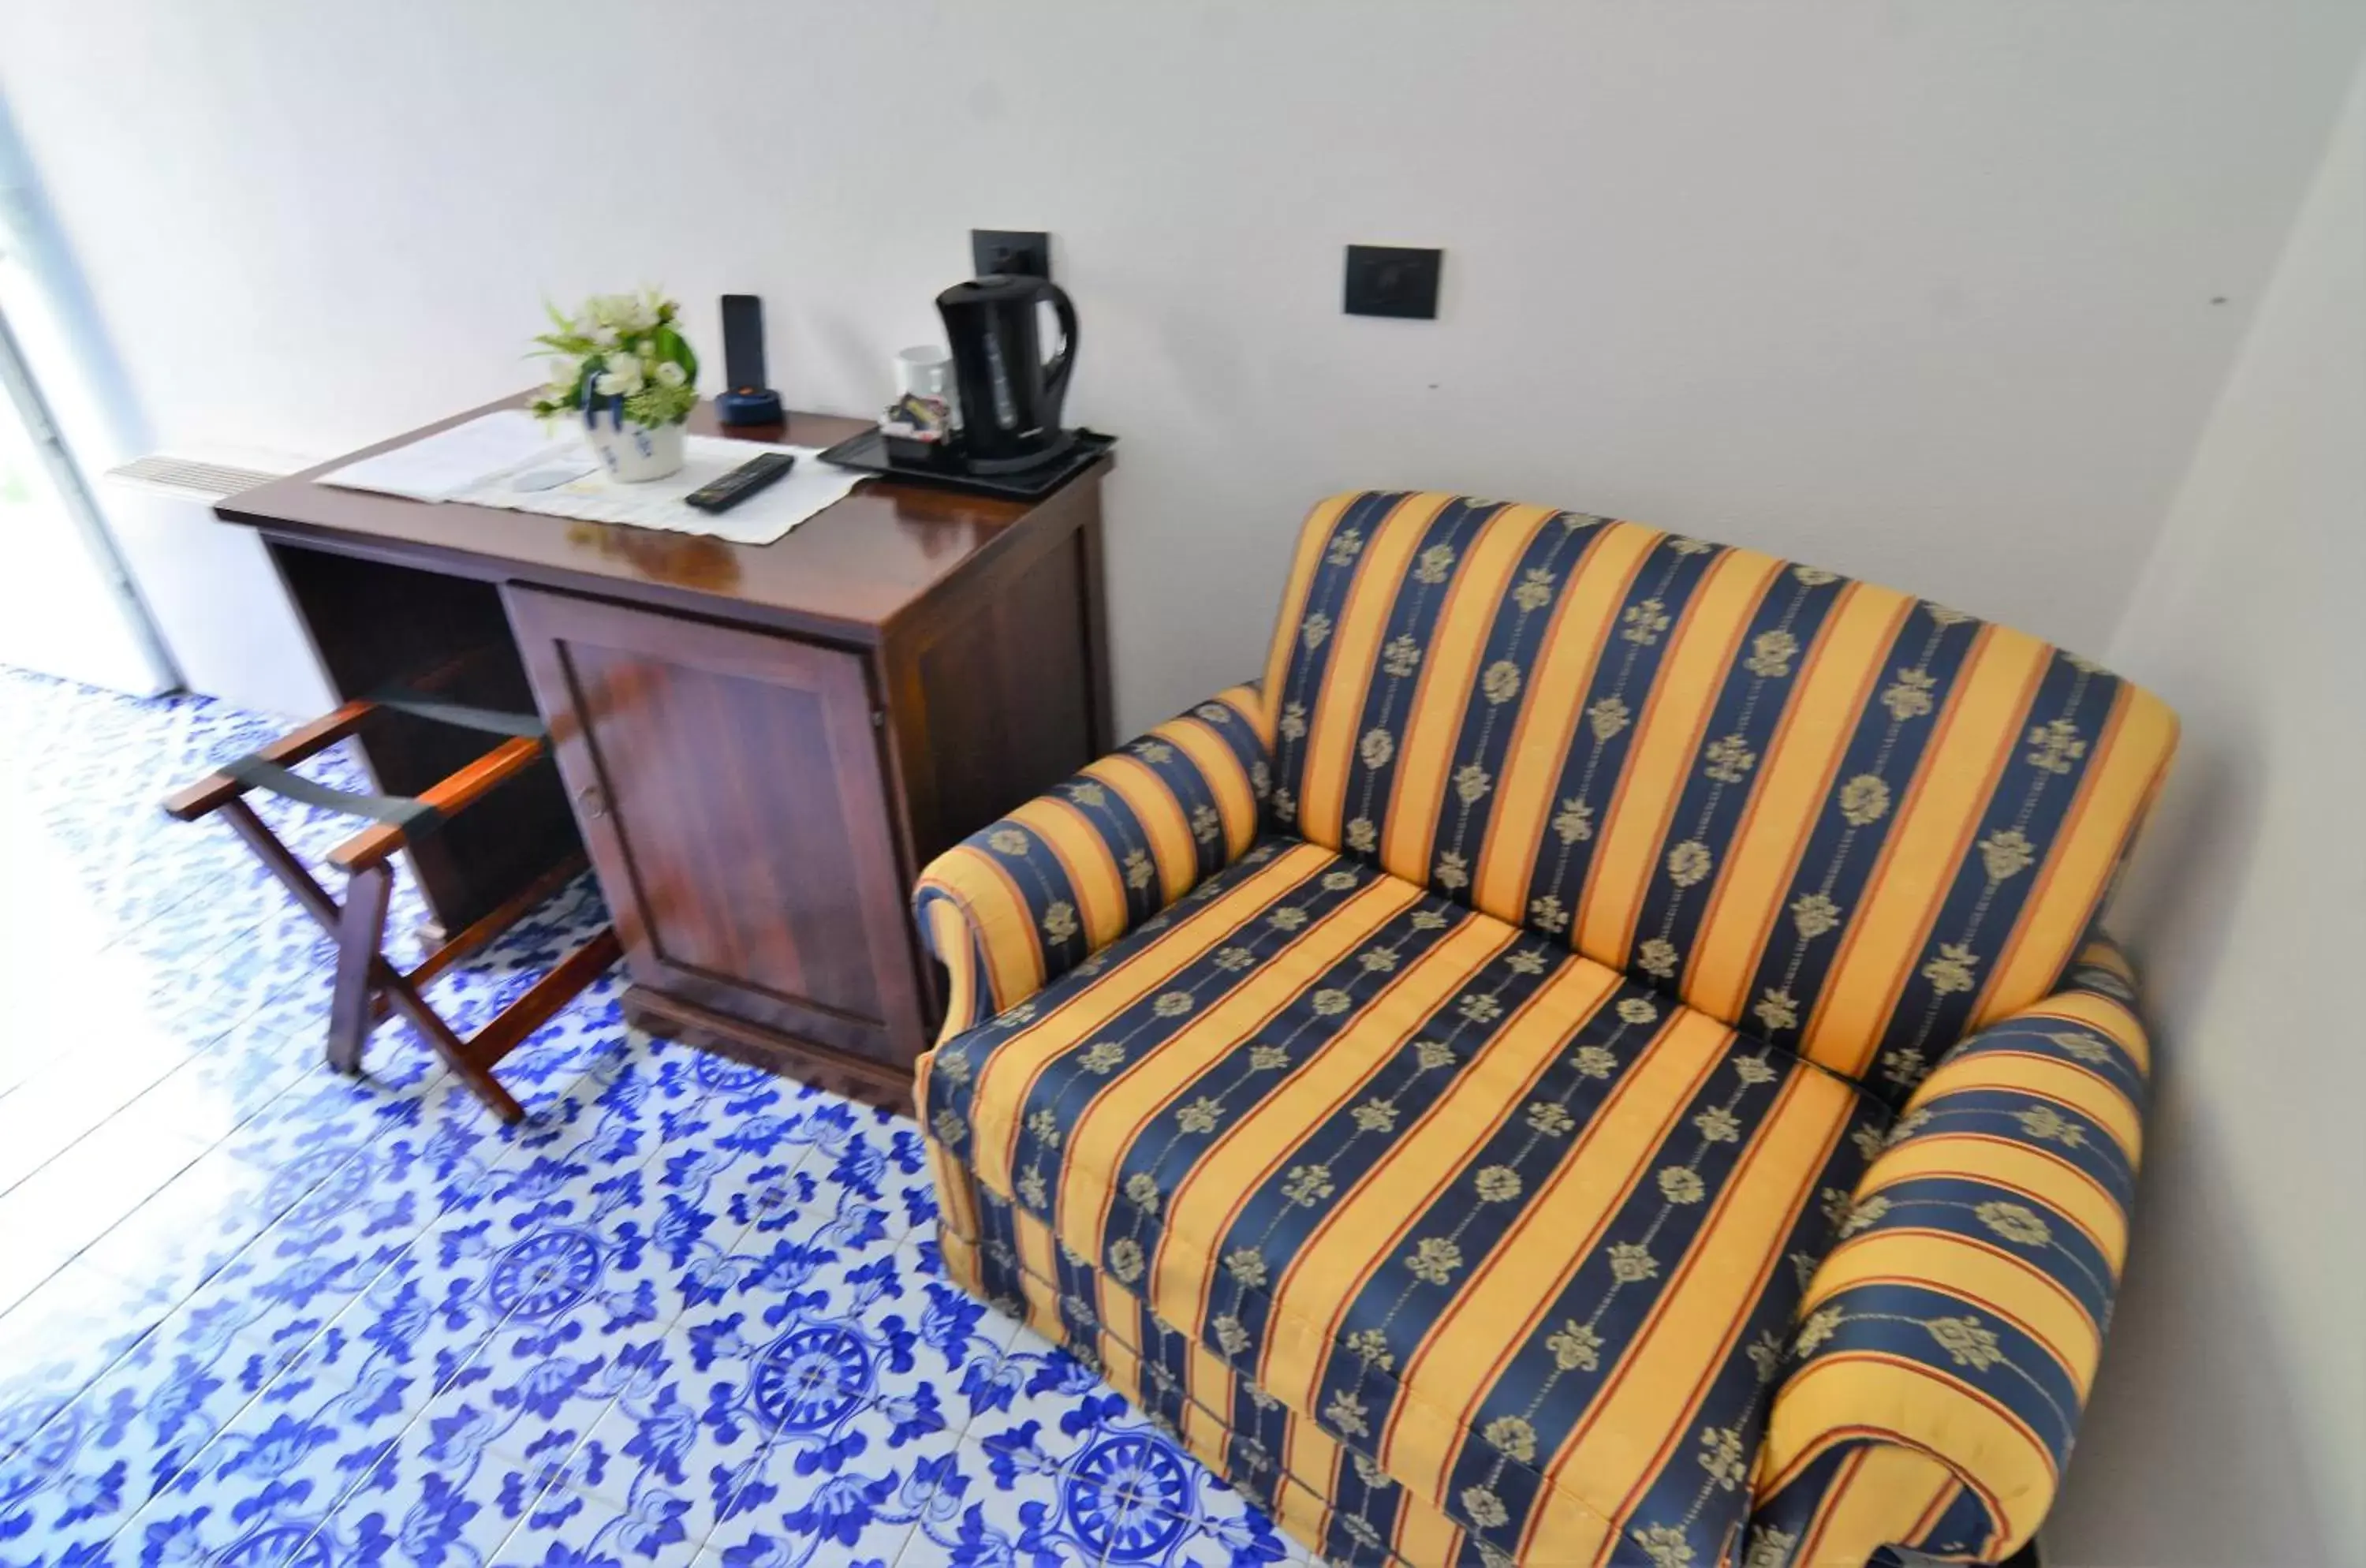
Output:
(1025, 253)
(1392, 280)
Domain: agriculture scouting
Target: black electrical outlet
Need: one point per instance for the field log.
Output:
(1023, 252)
(1392, 280)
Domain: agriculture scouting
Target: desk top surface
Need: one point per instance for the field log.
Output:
(855, 564)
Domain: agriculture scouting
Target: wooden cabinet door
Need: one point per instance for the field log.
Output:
(729, 786)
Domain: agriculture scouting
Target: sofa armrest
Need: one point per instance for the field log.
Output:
(1024, 899)
(1948, 1341)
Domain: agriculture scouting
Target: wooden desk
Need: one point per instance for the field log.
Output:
(759, 746)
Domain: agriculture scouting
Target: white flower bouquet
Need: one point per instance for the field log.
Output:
(622, 355)
(623, 364)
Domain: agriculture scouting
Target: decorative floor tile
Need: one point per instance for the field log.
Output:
(1010, 1513)
(563, 1532)
(411, 1511)
(659, 1450)
(858, 1504)
(190, 1228)
(100, 1459)
(55, 1342)
(222, 1085)
(45, 1115)
(444, 1492)
(685, 1313)
(92, 1185)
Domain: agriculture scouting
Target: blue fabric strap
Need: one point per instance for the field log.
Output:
(415, 817)
(493, 721)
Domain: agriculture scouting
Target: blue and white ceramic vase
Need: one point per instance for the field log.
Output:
(631, 451)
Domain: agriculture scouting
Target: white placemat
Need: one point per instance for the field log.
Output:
(509, 459)
(440, 465)
(658, 503)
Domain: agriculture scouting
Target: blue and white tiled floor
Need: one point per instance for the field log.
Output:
(251, 1313)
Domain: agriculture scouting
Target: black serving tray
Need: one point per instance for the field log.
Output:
(869, 452)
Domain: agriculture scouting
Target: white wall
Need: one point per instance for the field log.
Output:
(2229, 1421)
(1923, 291)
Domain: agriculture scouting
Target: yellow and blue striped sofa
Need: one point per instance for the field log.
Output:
(1604, 1054)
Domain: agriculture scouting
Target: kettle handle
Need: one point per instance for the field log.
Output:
(1056, 369)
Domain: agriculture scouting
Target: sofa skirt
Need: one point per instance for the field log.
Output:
(1336, 1503)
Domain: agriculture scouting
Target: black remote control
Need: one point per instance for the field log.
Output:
(741, 482)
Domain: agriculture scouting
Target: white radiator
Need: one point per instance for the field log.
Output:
(209, 586)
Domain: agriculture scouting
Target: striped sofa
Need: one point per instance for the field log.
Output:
(1604, 1054)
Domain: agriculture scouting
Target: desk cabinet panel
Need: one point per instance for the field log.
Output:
(728, 785)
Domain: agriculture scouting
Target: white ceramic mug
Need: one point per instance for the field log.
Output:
(924, 373)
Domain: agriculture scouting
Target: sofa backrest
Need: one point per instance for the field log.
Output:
(1848, 821)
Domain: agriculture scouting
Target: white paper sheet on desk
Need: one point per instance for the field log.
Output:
(658, 503)
(439, 467)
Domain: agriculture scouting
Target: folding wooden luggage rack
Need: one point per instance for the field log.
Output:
(367, 983)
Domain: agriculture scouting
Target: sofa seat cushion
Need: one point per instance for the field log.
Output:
(1522, 1233)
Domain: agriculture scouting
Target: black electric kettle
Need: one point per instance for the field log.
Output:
(1010, 393)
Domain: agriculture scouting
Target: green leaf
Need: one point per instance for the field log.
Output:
(666, 342)
(672, 346)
